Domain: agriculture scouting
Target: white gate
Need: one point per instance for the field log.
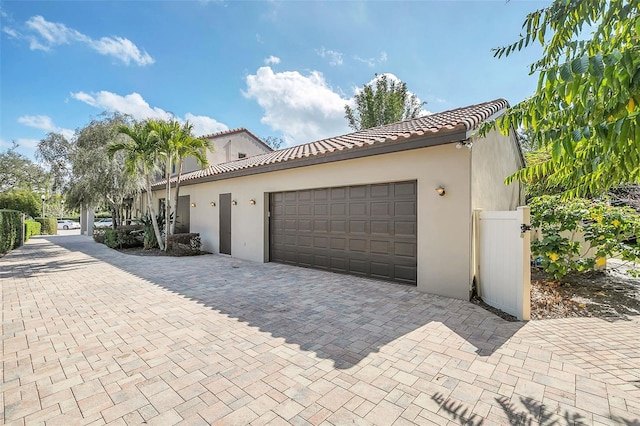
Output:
(502, 259)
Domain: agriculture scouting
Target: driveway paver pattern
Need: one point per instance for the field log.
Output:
(94, 336)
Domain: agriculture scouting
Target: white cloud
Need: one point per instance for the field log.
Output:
(134, 105)
(11, 32)
(44, 122)
(335, 58)
(372, 62)
(303, 108)
(122, 49)
(44, 35)
(272, 60)
(203, 125)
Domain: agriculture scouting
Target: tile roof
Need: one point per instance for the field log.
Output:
(453, 121)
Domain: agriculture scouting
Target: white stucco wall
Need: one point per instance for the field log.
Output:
(493, 158)
(444, 223)
(226, 148)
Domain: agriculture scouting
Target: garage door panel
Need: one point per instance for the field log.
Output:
(320, 209)
(405, 249)
(380, 227)
(359, 245)
(339, 209)
(405, 208)
(367, 230)
(380, 209)
(357, 226)
(380, 191)
(321, 225)
(338, 226)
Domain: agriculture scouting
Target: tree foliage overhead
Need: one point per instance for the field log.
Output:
(585, 109)
(19, 172)
(384, 100)
(54, 151)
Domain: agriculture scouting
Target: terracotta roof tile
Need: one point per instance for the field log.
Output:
(463, 119)
(234, 131)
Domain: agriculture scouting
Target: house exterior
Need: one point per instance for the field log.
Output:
(228, 146)
(393, 202)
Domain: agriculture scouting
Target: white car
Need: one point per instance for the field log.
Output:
(103, 223)
(68, 224)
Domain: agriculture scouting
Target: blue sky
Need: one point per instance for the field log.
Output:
(277, 68)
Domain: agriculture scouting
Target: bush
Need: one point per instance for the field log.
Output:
(31, 227)
(185, 242)
(124, 237)
(10, 230)
(49, 225)
(98, 234)
(111, 238)
(22, 200)
(610, 231)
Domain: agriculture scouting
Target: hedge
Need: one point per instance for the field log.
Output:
(31, 227)
(10, 230)
(49, 225)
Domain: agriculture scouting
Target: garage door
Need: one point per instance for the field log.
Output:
(367, 230)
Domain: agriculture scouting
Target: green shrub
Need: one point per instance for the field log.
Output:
(111, 238)
(124, 237)
(185, 242)
(610, 232)
(31, 227)
(10, 230)
(49, 225)
(22, 200)
(129, 236)
(98, 234)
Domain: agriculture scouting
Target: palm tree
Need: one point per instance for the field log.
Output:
(166, 133)
(185, 145)
(141, 154)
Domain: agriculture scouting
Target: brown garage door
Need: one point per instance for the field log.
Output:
(367, 230)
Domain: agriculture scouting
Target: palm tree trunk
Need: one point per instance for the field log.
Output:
(167, 206)
(175, 203)
(152, 212)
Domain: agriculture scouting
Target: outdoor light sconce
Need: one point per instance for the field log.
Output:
(193, 204)
(440, 190)
(252, 202)
(212, 204)
(234, 203)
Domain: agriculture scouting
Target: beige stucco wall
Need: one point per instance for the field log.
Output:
(493, 158)
(444, 223)
(226, 148)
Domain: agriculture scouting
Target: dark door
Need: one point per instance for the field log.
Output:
(225, 223)
(368, 230)
(183, 216)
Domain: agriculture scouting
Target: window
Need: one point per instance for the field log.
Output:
(241, 155)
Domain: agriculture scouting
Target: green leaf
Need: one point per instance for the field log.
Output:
(580, 65)
(565, 72)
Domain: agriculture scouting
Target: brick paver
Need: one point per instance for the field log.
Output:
(93, 336)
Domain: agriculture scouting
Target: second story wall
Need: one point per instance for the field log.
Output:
(229, 146)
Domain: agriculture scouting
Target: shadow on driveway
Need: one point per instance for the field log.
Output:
(338, 317)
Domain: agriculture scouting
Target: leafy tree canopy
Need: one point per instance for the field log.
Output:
(384, 100)
(274, 142)
(585, 109)
(19, 172)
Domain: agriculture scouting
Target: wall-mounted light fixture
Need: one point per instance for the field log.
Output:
(234, 203)
(440, 190)
(212, 204)
(193, 204)
(252, 201)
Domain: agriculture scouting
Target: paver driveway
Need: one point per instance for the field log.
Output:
(93, 336)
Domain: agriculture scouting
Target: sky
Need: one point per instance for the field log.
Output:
(278, 68)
